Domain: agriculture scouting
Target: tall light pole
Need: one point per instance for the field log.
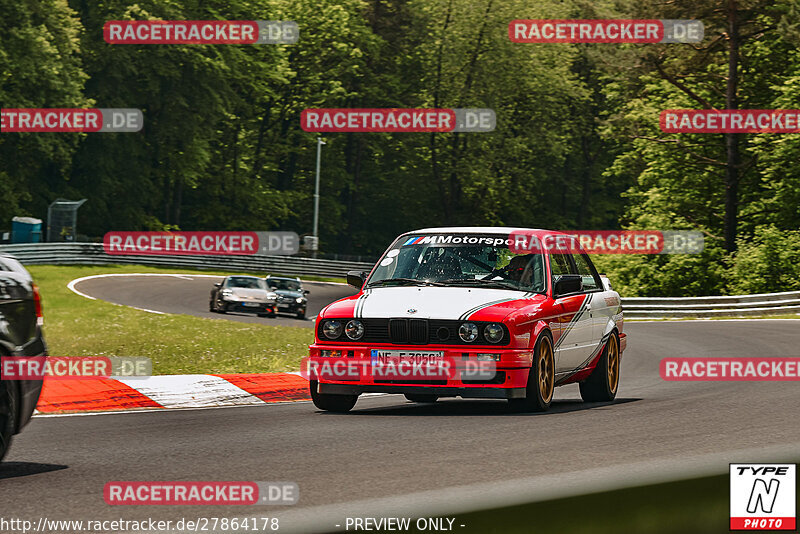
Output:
(320, 142)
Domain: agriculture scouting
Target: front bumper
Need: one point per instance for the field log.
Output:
(291, 307)
(244, 306)
(508, 381)
(441, 391)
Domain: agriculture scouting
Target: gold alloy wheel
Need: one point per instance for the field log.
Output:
(613, 363)
(547, 366)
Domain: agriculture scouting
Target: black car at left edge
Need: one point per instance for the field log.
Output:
(20, 336)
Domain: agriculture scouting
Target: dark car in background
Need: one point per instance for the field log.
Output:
(20, 336)
(245, 294)
(291, 295)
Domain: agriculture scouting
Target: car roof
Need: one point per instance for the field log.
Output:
(481, 230)
(270, 277)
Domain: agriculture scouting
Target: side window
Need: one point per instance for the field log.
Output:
(559, 265)
(591, 281)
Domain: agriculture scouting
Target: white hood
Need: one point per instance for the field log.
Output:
(429, 302)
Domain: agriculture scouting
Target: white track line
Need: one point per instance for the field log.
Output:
(71, 285)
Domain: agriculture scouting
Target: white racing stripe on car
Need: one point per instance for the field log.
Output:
(466, 315)
(359, 311)
(574, 320)
(195, 391)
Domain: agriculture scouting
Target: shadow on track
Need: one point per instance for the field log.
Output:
(23, 469)
(450, 408)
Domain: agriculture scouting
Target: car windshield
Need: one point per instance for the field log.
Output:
(288, 285)
(246, 282)
(472, 260)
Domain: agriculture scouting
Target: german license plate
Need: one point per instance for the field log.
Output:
(252, 304)
(283, 305)
(418, 357)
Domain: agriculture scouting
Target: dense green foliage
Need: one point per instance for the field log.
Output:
(577, 144)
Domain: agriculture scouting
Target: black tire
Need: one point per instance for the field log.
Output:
(263, 315)
(8, 416)
(603, 384)
(273, 314)
(541, 378)
(211, 306)
(222, 307)
(331, 403)
(421, 397)
(301, 315)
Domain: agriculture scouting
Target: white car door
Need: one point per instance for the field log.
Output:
(575, 339)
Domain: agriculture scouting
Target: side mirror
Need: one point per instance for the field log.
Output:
(218, 284)
(568, 284)
(306, 292)
(356, 278)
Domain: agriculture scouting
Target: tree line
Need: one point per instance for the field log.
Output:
(577, 144)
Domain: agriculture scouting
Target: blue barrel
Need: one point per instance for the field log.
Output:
(26, 230)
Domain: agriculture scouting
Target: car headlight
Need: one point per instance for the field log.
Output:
(332, 329)
(354, 329)
(493, 332)
(468, 332)
(227, 293)
(299, 300)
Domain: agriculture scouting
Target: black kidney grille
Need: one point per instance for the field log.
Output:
(398, 330)
(414, 331)
(418, 330)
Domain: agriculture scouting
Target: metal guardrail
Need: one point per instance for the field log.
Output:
(93, 254)
(730, 306)
(634, 307)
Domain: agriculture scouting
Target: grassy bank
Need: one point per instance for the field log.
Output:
(698, 506)
(177, 344)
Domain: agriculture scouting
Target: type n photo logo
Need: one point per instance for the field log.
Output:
(763, 496)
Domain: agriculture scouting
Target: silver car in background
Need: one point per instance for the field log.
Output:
(244, 294)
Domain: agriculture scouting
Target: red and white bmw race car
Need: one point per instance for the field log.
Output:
(475, 313)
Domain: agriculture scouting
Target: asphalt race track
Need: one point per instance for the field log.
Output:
(388, 447)
(189, 294)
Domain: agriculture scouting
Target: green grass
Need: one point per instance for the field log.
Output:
(176, 344)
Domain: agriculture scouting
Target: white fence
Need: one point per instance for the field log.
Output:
(93, 254)
(731, 306)
(634, 308)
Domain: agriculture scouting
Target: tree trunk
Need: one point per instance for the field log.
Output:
(177, 201)
(732, 139)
